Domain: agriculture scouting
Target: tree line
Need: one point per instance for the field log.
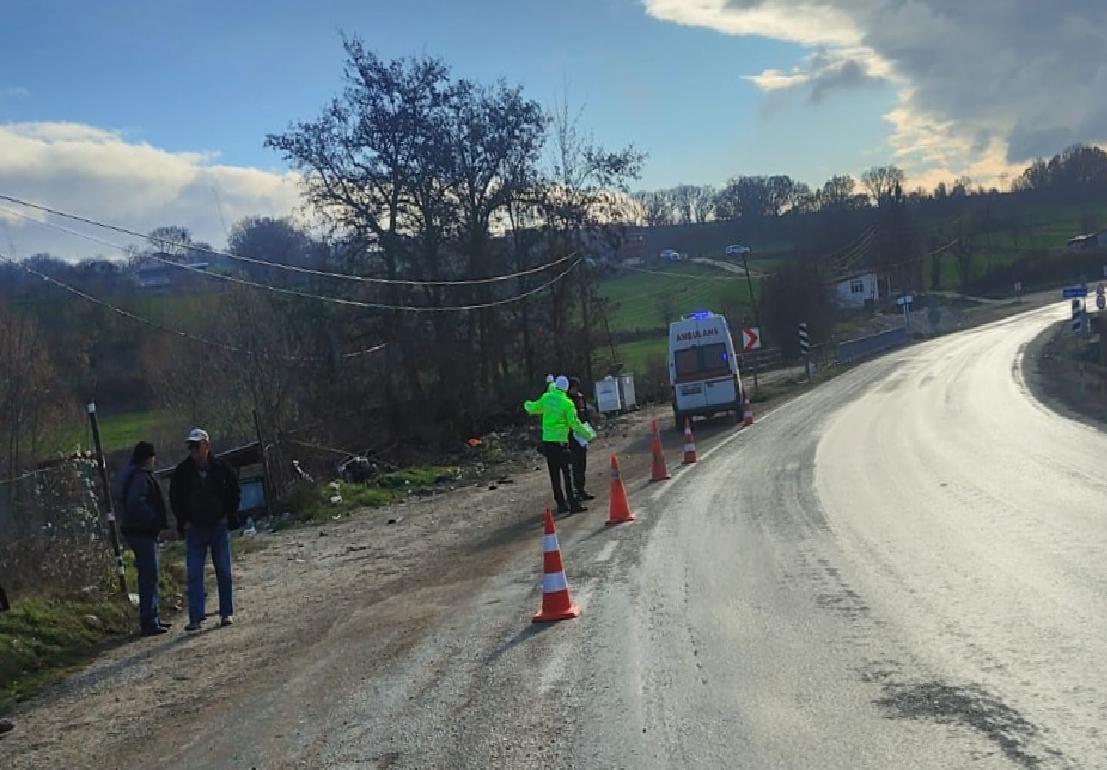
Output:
(1074, 172)
(412, 176)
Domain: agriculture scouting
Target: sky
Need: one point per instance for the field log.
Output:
(145, 114)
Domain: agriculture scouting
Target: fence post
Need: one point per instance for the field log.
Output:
(112, 527)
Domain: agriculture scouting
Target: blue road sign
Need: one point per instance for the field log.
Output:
(1071, 292)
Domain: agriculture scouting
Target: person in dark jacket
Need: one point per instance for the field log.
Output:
(204, 494)
(142, 518)
(578, 449)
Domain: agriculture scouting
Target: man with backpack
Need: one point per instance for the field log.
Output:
(142, 518)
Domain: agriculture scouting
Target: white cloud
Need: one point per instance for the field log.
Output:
(808, 23)
(96, 173)
(985, 85)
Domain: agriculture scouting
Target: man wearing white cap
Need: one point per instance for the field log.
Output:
(559, 422)
(204, 494)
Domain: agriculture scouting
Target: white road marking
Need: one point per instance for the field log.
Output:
(607, 551)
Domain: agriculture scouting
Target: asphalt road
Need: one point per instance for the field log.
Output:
(904, 567)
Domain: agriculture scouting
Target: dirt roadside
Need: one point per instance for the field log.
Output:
(141, 704)
(1057, 372)
(152, 698)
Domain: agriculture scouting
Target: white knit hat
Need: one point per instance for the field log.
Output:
(549, 379)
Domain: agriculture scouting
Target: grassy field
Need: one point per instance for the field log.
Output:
(635, 356)
(122, 431)
(639, 299)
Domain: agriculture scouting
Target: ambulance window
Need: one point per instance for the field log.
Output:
(687, 361)
(715, 357)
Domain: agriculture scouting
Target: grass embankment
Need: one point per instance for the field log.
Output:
(42, 639)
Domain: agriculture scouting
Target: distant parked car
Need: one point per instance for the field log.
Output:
(737, 250)
(671, 255)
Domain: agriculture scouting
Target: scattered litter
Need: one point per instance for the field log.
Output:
(396, 520)
(474, 442)
(492, 487)
(323, 533)
(336, 518)
(336, 499)
(352, 548)
(301, 561)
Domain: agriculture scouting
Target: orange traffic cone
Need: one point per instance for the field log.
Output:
(556, 604)
(659, 472)
(748, 417)
(689, 442)
(619, 510)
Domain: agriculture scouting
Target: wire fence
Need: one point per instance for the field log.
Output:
(53, 540)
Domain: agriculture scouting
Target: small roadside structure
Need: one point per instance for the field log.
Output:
(856, 291)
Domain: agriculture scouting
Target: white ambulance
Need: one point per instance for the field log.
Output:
(703, 368)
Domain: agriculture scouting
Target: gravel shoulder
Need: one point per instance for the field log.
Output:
(325, 614)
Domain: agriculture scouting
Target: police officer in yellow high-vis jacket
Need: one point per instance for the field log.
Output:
(559, 423)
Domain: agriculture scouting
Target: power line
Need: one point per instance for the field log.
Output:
(168, 329)
(309, 295)
(277, 265)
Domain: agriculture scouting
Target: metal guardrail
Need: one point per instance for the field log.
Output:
(855, 350)
(761, 360)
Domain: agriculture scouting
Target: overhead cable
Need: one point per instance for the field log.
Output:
(165, 242)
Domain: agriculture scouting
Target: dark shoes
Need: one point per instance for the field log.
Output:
(586, 496)
(156, 631)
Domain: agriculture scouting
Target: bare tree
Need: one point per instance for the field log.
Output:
(30, 401)
(173, 240)
(882, 181)
(683, 197)
(655, 207)
(703, 203)
(838, 193)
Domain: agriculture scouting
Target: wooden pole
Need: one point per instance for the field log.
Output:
(113, 529)
(265, 485)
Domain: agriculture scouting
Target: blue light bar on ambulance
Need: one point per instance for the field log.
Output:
(699, 315)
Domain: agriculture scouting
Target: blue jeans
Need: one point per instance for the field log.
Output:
(197, 542)
(146, 563)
